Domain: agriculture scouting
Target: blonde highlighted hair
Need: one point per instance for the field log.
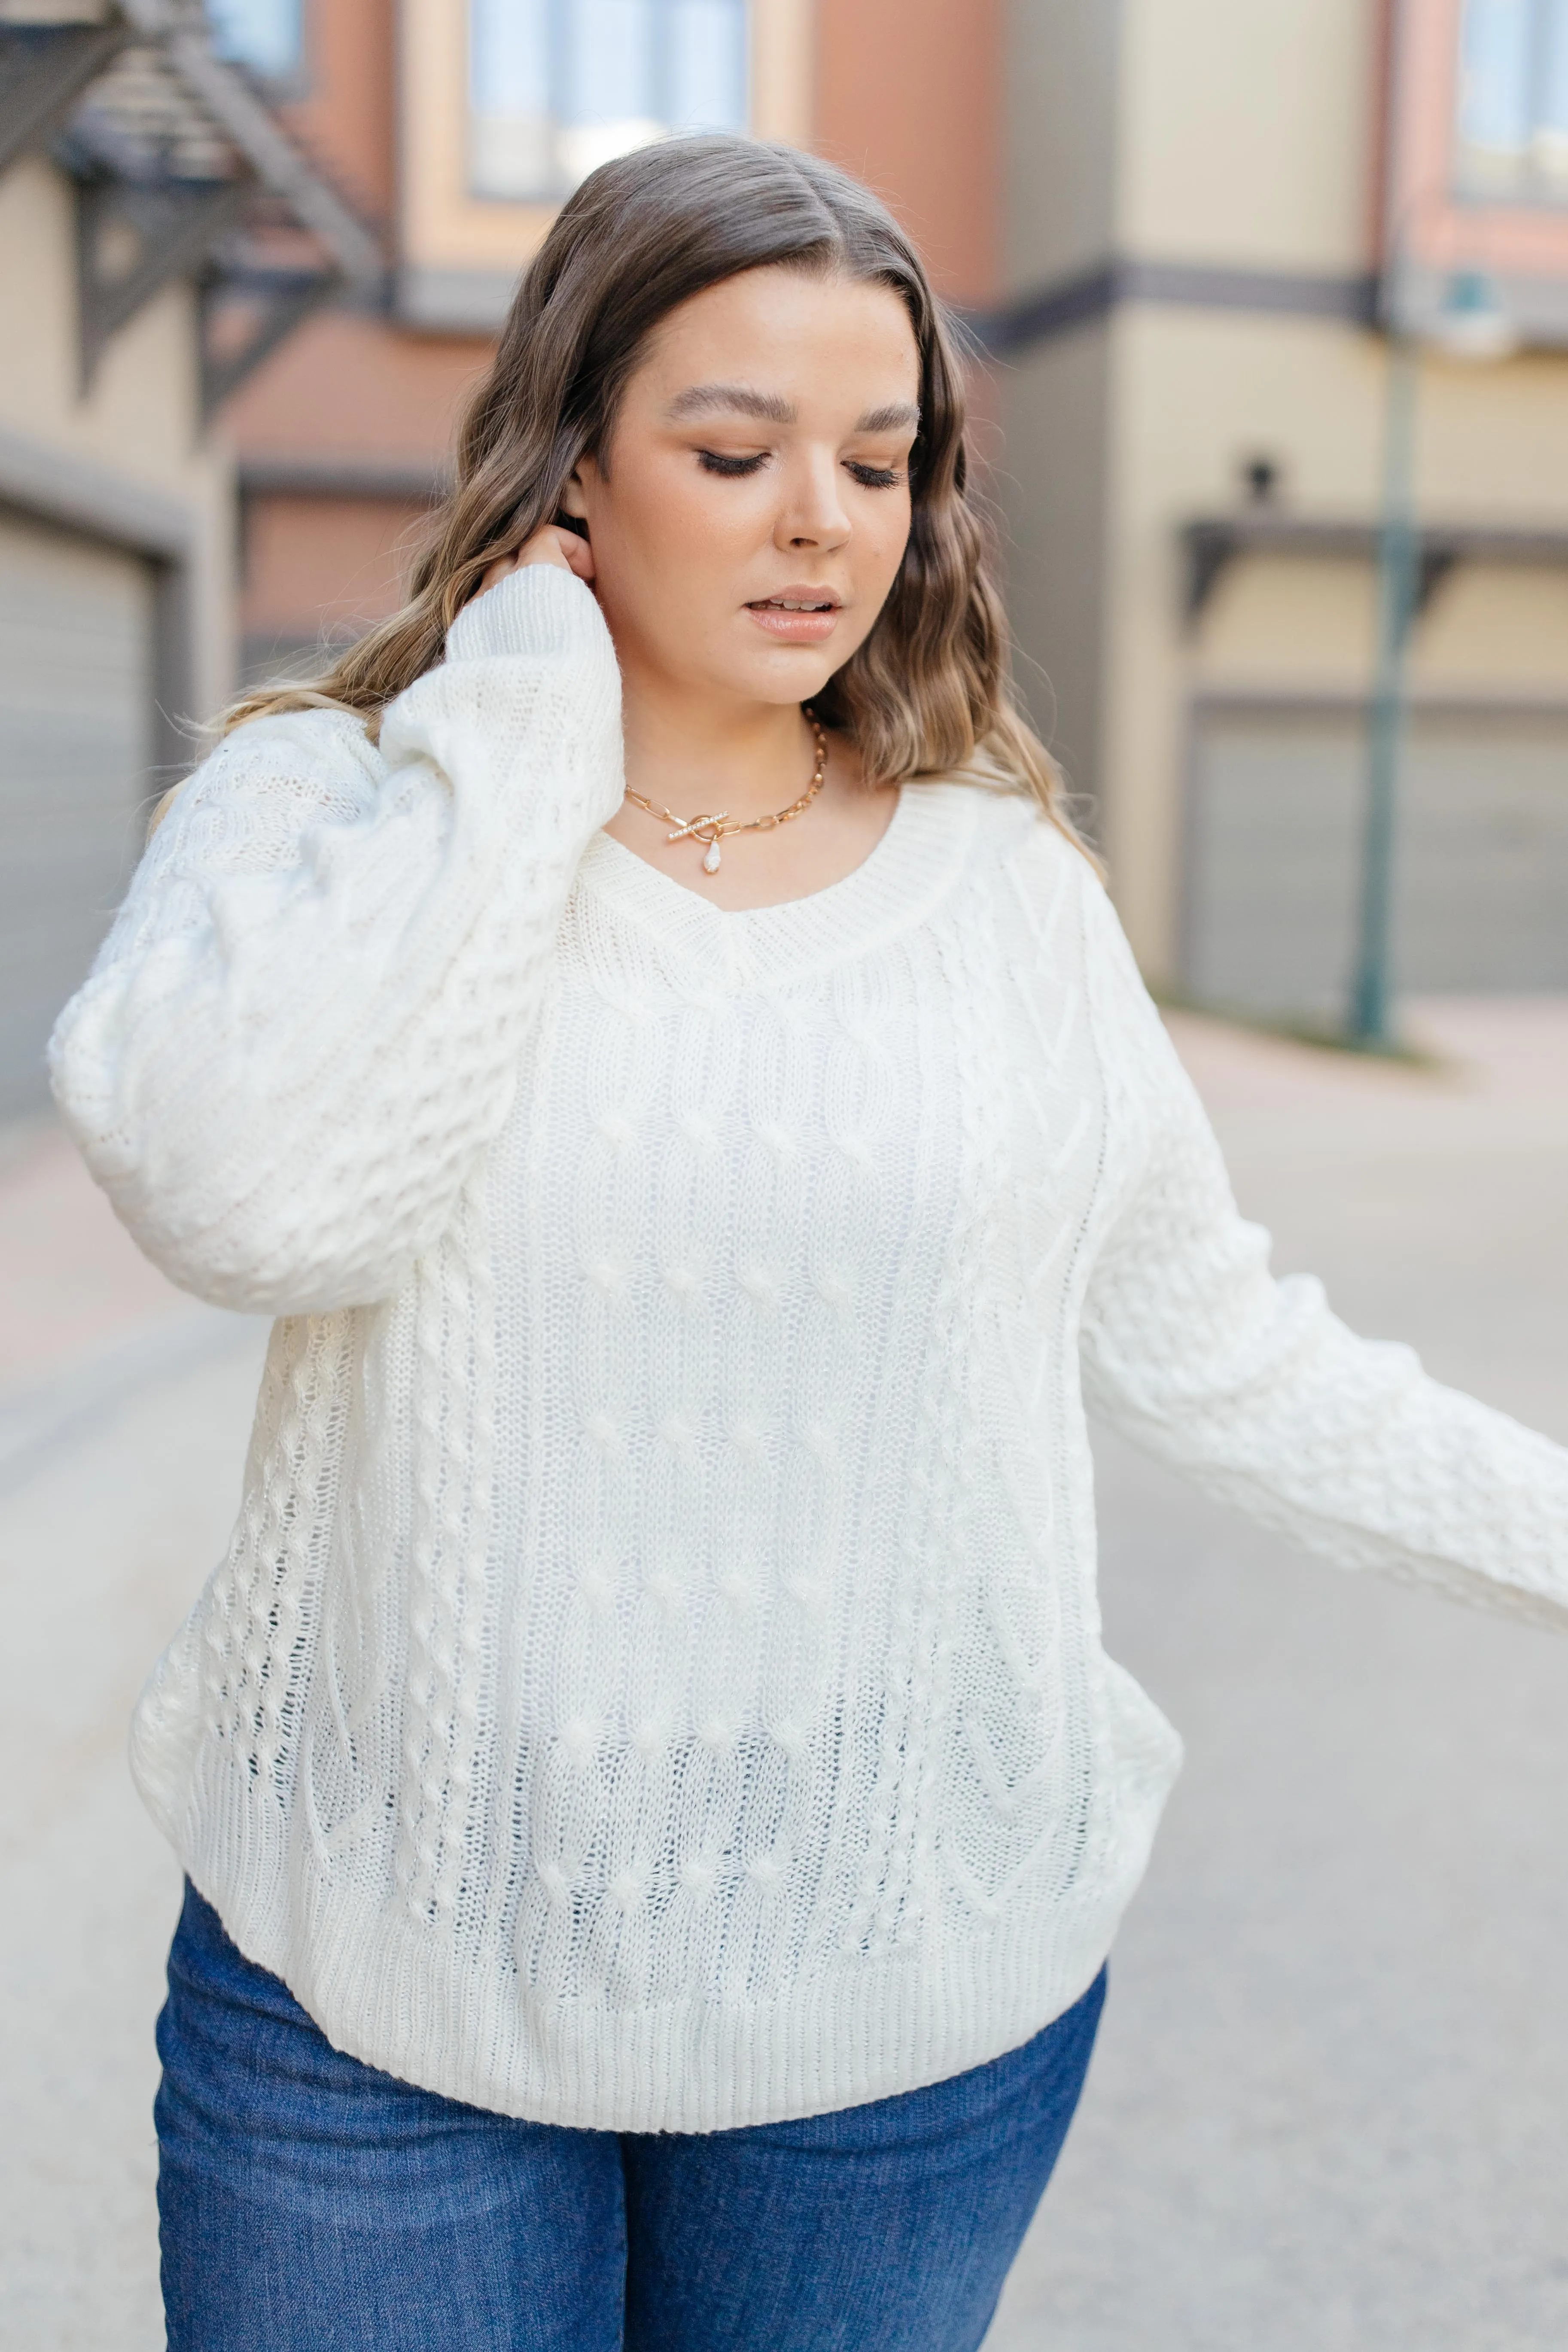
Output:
(928, 692)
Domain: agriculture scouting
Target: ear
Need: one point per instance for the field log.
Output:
(574, 500)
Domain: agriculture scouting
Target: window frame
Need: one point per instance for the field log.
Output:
(459, 254)
(292, 81)
(556, 184)
(1486, 171)
(1432, 225)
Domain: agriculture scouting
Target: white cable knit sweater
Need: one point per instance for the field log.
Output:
(655, 1682)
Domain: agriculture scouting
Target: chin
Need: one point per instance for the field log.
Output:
(799, 689)
(795, 677)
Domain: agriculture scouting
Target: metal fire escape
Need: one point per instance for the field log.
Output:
(181, 170)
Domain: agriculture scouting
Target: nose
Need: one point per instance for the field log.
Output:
(812, 513)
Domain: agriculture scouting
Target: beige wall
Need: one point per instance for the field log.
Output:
(1061, 129)
(1246, 130)
(1192, 392)
(1243, 136)
(1205, 131)
(1225, 131)
(1054, 404)
(140, 422)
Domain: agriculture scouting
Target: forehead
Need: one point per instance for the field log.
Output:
(789, 331)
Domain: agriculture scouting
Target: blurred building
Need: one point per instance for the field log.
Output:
(1213, 209)
(1181, 230)
(158, 235)
(457, 126)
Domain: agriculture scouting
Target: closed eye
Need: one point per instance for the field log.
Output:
(712, 462)
(870, 477)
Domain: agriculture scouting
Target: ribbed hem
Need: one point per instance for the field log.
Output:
(403, 1998)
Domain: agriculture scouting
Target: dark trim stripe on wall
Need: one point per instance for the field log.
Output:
(1092, 294)
(401, 480)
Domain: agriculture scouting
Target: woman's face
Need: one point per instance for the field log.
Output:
(753, 506)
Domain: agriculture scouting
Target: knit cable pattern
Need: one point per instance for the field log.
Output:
(656, 1680)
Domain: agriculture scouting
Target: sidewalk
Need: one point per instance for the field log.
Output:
(1329, 2112)
(83, 1316)
(1331, 2104)
(124, 1410)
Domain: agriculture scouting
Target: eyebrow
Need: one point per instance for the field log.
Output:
(772, 408)
(702, 399)
(898, 416)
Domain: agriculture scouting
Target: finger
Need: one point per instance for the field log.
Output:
(578, 554)
(544, 547)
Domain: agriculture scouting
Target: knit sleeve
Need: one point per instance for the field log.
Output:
(1260, 1395)
(306, 1022)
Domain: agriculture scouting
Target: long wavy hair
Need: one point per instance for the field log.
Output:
(928, 692)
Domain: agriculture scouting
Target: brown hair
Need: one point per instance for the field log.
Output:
(927, 692)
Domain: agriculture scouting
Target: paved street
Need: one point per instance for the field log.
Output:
(1331, 2104)
(123, 1415)
(1329, 2112)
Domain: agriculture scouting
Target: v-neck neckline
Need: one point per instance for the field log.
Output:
(895, 886)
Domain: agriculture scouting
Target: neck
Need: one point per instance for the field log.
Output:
(691, 754)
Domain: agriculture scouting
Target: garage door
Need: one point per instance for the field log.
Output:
(1273, 854)
(75, 707)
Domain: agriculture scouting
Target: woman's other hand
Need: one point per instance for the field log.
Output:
(552, 543)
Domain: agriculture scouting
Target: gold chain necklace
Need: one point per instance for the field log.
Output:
(719, 827)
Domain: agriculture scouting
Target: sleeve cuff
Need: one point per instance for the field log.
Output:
(541, 609)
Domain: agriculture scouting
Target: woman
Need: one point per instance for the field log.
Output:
(655, 1802)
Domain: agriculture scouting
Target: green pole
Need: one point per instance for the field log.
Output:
(1398, 557)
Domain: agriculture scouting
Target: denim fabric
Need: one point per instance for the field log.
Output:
(308, 2202)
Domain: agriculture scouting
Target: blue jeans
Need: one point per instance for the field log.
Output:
(308, 2202)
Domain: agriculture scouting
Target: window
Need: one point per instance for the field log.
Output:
(556, 87)
(1513, 100)
(267, 36)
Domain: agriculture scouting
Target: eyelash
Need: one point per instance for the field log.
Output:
(712, 463)
(870, 477)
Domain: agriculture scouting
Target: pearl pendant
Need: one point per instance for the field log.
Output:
(712, 862)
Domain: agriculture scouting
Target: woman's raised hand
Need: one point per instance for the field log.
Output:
(552, 543)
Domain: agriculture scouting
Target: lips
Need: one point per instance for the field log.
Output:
(797, 616)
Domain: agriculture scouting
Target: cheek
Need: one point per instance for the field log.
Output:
(684, 525)
(884, 541)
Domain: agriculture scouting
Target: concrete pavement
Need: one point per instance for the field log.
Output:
(1330, 2102)
(1329, 2112)
(124, 1410)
